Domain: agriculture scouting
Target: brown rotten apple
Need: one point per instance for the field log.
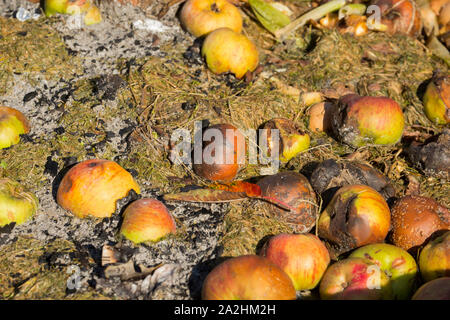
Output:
(12, 124)
(228, 51)
(248, 277)
(293, 189)
(92, 187)
(221, 158)
(302, 256)
(200, 17)
(400, 16)
(437, 289)
(356, 215)
(415, 219)
(355, 279)
(147, 220)
(434, 259)
(358, 121)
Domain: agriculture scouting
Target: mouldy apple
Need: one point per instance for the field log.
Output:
(434, 258)
(16, 205)
(358, 121)
(396, 263)
(291, 141)
(437, 289)
(356, 215)
(200, 17)
(221, 161)
(12, 124)
(147, 220)
(303, 257)
(399, 16)
(228, 51)
(415, 219)
(355, 279)
(249, 277)
(436, 99)
(92, 187)
(293, 189)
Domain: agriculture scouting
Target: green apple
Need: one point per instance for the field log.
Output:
(12, 124)
(434, 259)
(16, 205)
(399, 266)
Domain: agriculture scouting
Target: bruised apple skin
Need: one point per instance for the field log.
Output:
(356, 215)
(147, 220)
(361, 120)
(436, 99)
(249, 277)
(355, 279)
(396, 263)
(227, 51)
(291, 140)
(434, 258)
(200, 17)
(293, 189)
(16, 205)
(400, 16)
(92, 187)
(415, 219)
(303, 257)
(437, 289)
(12, 124)
(233, 148)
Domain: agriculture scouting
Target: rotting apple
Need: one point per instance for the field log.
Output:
(147, 220)
(356, 215)
(303, 257)
(396, 263)
(436, 99)
(434, 258)
(320, 117)
(92, 187)
(355, 279)
(415, 219)
(228, 51)
(74, 7)
(437, 289)
(12, 124)
(16, 205)
(399, 16)
(221, 159)
(358, 120)
(248, 277)
(291, 141)
(293, 189)
(200, 17)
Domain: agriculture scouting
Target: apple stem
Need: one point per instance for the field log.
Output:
(314, 14)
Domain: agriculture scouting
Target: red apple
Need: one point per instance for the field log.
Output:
(249, 277)
(358, 121)
(302, 256)
(147, 220)
(221, 161)
(396, 263)
(434, 259)
(355, 279)
(200, 17)
(228, 51)
(356, 215)
(293, 189)
(12, 124)
(437, 289)
(92, 187)
(16, 205)
(415, 219)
